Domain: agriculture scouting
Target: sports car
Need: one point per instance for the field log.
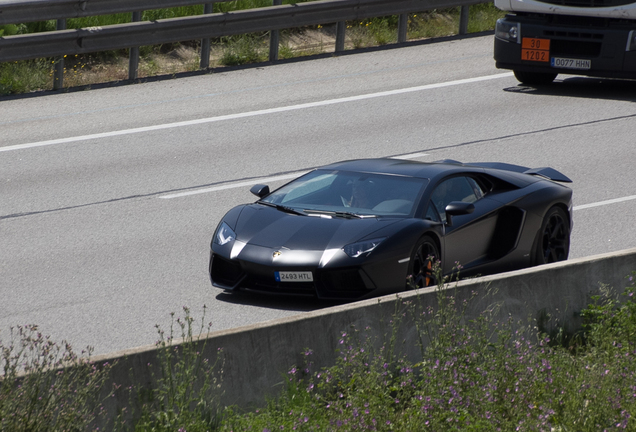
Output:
(362, 228)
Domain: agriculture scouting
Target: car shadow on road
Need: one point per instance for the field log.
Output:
(582, 87)
(288, 303)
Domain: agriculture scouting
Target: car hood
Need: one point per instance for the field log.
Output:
(259, 225)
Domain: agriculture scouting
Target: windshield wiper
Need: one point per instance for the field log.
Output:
(349, 215)
(340, 214)
(282, 208)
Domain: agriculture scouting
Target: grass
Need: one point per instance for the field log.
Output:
(170, 59)
(471, 375)
(25, 76)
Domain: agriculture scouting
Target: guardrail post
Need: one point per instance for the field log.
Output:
(340, 36)
(58, 78)
(133, 53)
(274, 37)
(403, 22)
(208, 8)
(463, 20)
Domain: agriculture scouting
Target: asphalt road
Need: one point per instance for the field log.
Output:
(109, 197)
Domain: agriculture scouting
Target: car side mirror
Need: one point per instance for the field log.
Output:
(457, 208)
(260, 190)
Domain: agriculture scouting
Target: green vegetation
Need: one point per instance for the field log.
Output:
(473, 375)
(184, 397)
(45, 386)
(169, 59)
(25, 76)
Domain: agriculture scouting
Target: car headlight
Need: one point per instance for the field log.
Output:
(362, 248)
(224, 234)
(508, 31)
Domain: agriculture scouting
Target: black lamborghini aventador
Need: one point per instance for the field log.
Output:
(368, 227)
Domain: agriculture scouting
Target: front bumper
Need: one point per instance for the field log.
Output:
(328, 283)
(604, 44)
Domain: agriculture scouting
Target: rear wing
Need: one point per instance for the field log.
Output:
(550, 174)
(545, 172)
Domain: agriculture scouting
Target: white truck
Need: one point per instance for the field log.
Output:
(539, 39)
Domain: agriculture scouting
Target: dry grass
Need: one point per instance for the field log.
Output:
(156, 61)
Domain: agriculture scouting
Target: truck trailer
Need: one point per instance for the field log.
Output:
(538, 39)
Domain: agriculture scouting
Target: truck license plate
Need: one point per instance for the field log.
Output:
(533, 49)
(292, 276)
(568, 63)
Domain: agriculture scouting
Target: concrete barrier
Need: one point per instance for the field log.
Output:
(257, 357)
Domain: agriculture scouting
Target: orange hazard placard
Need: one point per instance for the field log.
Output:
(533, 49)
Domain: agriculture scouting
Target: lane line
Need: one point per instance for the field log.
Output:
(265, 180)
(235, 185)
(244, 90)
(602, 203)
(410, 156)
(295, 174)
(252, 113)
(299, 173)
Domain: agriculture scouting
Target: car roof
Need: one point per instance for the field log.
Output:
(516, 175)
(401, 167)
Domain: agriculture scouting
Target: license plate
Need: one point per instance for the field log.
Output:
(302, 276)
(534, 49)
(568, 63)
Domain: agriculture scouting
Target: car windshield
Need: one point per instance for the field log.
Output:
(350, 194)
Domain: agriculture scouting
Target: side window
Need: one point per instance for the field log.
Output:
(479, 192)
(454, 189)
(431, 214)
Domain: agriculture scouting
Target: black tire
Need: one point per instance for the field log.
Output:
(553, 240)
(421, 265)
(535, 78)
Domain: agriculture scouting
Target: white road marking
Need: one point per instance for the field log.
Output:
(602, 203)
(410, 156)
(251, 113)
(235, 185)
(265, 180)
(299, 173)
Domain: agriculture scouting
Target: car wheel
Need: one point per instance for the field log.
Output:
(553, 240)
(421, 266)
(535, 78)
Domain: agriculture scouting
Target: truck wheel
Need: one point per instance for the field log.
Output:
(535, 78)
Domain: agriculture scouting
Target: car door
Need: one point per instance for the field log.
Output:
(466, 237)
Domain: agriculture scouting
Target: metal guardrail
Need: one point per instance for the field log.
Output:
(21, 11)
(209, 25)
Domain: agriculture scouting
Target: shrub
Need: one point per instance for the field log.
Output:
(184, 395)
(45, 386)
